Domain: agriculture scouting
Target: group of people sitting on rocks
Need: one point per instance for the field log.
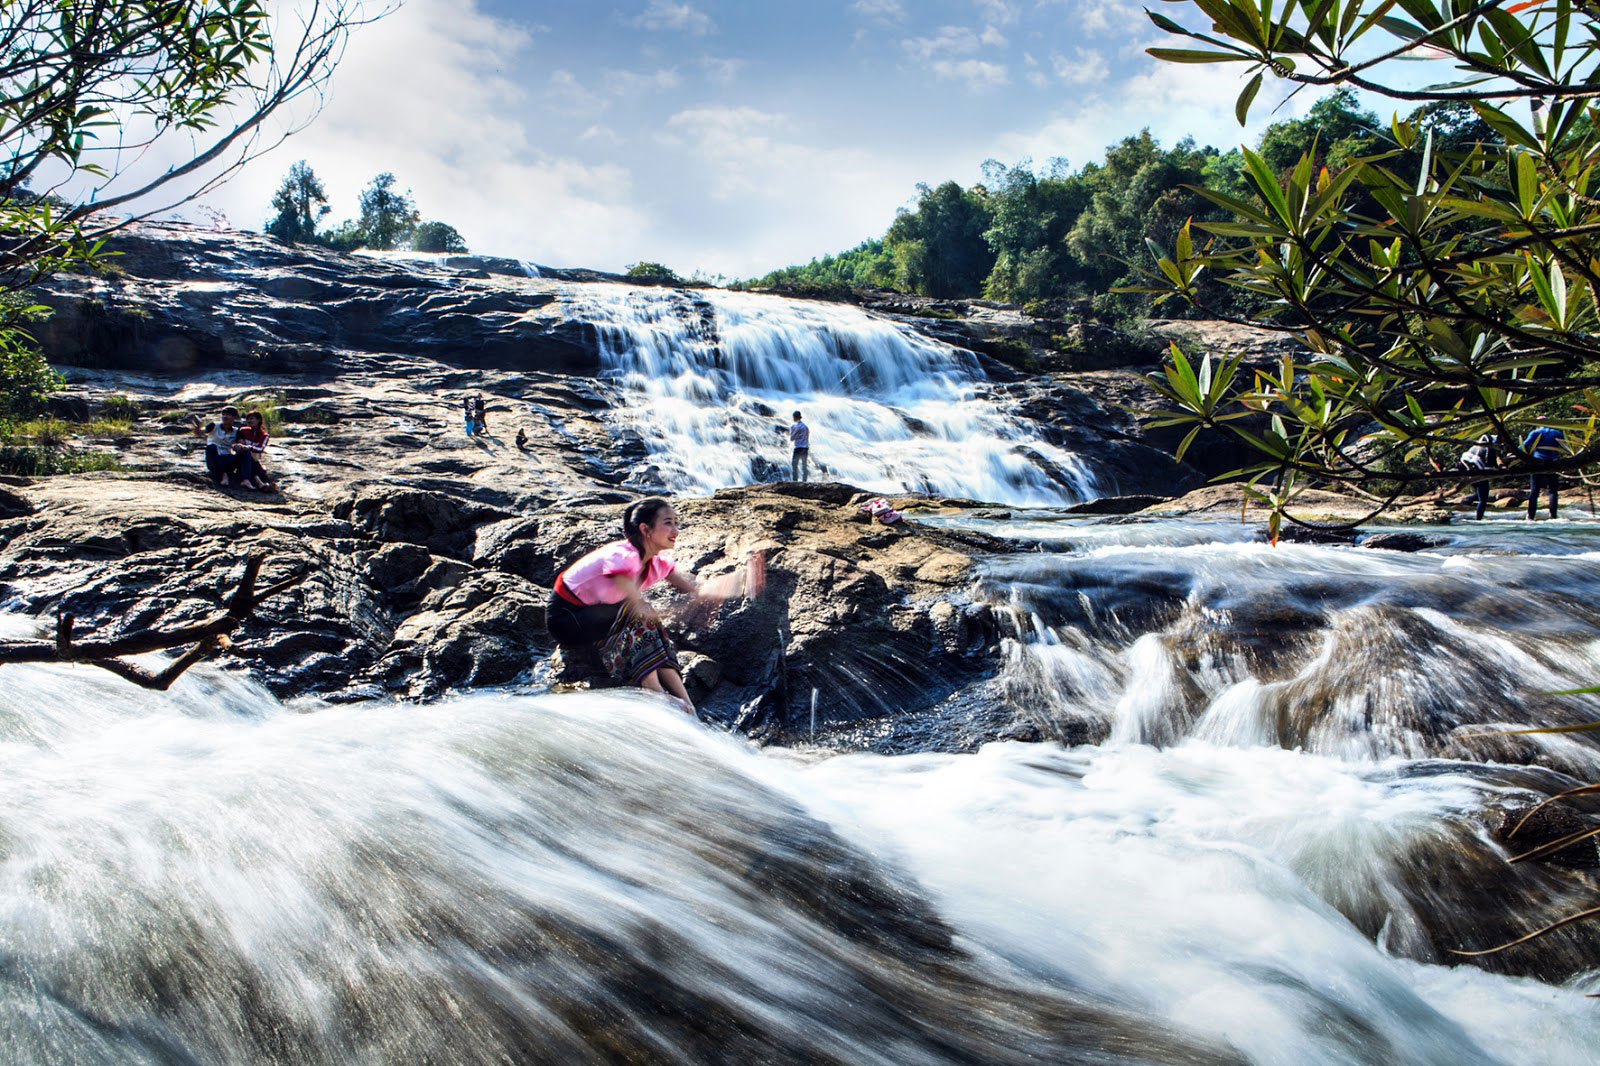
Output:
(1543, 444)
(234, 450)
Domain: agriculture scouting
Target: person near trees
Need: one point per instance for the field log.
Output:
(249, 448)
(598, 601)
(1483, 456)
(800, 458)
(1543, 444)
(222, 462)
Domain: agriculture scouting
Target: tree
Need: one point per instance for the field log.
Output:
(88, 87)
(437, 237)
(939, 247)
(1444, 286)
(301, 202)
(387, 217)
(648, 269)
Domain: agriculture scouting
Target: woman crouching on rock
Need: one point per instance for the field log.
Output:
(599, 600)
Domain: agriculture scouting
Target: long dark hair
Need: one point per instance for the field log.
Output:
(641, 513)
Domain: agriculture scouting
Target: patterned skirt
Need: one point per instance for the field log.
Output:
(635, 647)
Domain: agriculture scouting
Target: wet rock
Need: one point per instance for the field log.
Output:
(443, 524)
(1404, 541)
(1116, 505)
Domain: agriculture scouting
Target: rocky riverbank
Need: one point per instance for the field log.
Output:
(430, 553)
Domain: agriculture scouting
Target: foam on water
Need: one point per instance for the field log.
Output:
(208, 876)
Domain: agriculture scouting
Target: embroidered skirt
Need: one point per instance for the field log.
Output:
(635, 647)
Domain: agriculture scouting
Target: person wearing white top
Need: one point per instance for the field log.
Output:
(220, 437)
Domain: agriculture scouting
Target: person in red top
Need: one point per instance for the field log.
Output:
(599, 600)
(250, 445)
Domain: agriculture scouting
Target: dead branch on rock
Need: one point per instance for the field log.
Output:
(206, 637)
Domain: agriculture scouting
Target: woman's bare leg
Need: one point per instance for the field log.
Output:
(666, 679)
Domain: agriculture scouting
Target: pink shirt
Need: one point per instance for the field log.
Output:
(589, 579)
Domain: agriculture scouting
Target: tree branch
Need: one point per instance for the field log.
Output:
(205, 638)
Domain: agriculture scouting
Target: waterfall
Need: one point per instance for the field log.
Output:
(711, 379)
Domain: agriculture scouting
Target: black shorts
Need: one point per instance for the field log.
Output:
(574, 625)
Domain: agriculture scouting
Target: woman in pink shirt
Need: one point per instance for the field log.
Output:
(599, 600)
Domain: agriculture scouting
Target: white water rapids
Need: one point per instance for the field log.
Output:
(711, 380)
(212, 877)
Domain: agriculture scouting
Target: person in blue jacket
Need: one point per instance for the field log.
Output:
(1543, 444)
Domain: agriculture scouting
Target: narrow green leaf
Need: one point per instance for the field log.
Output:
(1241, 107)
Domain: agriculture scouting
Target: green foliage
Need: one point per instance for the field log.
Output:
(83, 83)
(437, 237)
(31, 460)
(938, 247)
(347, 236)
(269, 403)
(120, 408)
(869, 265)
(387, 216)
(1444, 281)
(648, 269)
(25, 378)
(301, 202)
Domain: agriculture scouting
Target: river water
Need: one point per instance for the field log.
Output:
(213, 876)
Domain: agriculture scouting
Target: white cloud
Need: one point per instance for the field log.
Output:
(565, 86)
(601, 135)
(950, 40)
(417, 94)
(783, 197)
(978, 75)
(882, 10)
(1120, 17)
(720, 70)
(999, 12)
(993, 37)
(634, 83)
(1172, 99)
(665, 15)
(1083, 68)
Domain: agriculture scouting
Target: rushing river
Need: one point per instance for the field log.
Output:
(710, 380)
(210, 876)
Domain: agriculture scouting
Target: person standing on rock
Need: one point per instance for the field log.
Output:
(480, 414)
(599, 601)
(472, 421)
(220, 437)
(800, 459)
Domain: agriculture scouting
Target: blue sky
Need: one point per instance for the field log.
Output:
(720, 136)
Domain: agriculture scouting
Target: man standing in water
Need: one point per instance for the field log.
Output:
(1543, 444)
(800, 461)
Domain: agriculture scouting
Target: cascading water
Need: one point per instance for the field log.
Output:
(1159, 631)
(711, 380)
(208, 876)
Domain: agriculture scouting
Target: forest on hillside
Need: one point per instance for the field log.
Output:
(1045, 236)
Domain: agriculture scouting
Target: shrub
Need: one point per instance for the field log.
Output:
(652, 270)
